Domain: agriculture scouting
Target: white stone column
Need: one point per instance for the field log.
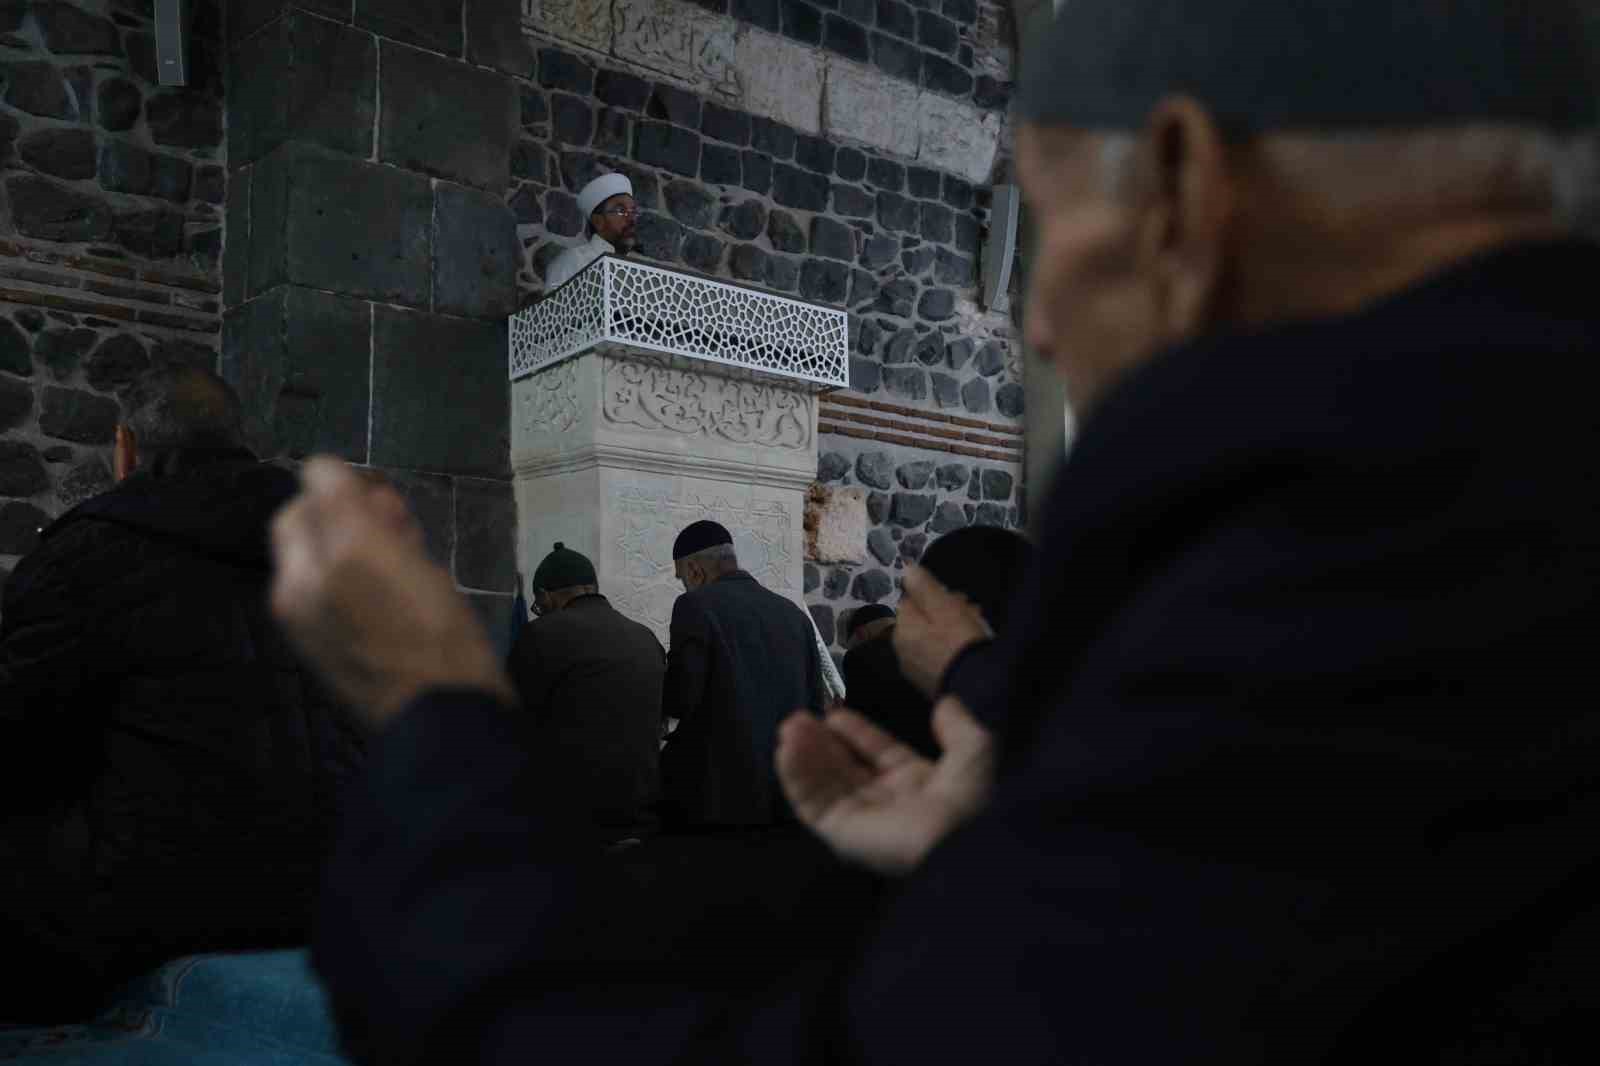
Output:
(617, 450)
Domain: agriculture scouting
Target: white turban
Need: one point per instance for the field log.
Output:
(602, 189)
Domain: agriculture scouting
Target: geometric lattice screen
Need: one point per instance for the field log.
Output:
(614, 300)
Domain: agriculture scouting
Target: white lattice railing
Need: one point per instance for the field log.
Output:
(620, 302)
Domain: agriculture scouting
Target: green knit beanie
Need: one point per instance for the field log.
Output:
(563, 568)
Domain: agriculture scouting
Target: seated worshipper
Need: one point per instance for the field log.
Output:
(169, 771)
(607, 202)
(591, 681)
(740, 659)
(984, 564)
(1299, 755)
(877, 690)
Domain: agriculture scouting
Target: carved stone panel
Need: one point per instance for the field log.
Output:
(680, 39)
(586, 22)
(645, 514)
(687, 403)
(550, 410)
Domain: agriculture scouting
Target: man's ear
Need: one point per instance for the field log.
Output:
(125, 454)
(1187, 201)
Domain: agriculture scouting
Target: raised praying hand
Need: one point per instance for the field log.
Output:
(872, 799)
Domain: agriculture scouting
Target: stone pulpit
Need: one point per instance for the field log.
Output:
(644, 399)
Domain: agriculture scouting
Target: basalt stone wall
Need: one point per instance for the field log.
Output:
(785, 147)
(111, 232)
(372, 257)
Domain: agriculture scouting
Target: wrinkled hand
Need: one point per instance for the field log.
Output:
(364, 605)
(875, 801)
(933, 627)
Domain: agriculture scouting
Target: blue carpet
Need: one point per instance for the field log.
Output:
(262, 1009)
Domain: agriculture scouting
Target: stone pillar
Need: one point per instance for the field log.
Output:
(617, 450)
(1049, 420)
(371, 259)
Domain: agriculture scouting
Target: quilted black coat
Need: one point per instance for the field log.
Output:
(169, 773)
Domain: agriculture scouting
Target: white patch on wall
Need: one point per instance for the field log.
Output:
(957, 137)
(864, 105)
(836, 524)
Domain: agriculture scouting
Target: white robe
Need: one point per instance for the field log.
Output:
(569, 262)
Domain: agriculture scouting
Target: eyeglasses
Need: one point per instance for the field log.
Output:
(620, 211)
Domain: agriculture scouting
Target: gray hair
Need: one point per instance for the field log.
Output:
(715, 557)
(1457, 167)
(173, 407)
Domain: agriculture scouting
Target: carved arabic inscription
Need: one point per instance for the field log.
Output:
(681, 39)
(583, 21)
(681, 401)
(547, 403)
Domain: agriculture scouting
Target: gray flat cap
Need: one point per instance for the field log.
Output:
(1311, 65)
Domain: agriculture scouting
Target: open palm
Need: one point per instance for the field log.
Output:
(874, 800)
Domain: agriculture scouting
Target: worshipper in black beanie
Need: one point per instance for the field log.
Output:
(1298, 763)
(867, 622)
(740, 659)
(698, 536)
(590, 681)
(984, 564)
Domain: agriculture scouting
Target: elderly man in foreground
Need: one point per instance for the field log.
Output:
(1297, 755)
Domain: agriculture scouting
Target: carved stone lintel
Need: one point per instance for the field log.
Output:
(582, 21)
(681, 39)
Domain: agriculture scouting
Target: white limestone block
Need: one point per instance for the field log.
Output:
(836, 524)
(782, 80)
(957, 137)
(866, 105)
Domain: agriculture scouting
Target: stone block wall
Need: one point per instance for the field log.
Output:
(111, 232)
(767, 148)
(372, 257)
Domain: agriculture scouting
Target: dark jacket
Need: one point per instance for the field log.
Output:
(742, 659)
(591, 681)
(1300, 764)
(170, 774)
(876, 688)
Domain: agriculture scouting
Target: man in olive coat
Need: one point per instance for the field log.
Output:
(591, 680)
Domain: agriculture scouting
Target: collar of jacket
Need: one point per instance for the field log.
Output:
(184, 460)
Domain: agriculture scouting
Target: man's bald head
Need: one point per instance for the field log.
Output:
(172, 408)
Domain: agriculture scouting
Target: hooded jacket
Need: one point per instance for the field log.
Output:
(169, 773)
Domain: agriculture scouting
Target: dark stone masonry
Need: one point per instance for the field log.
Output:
(111, 236)
(382, 183)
